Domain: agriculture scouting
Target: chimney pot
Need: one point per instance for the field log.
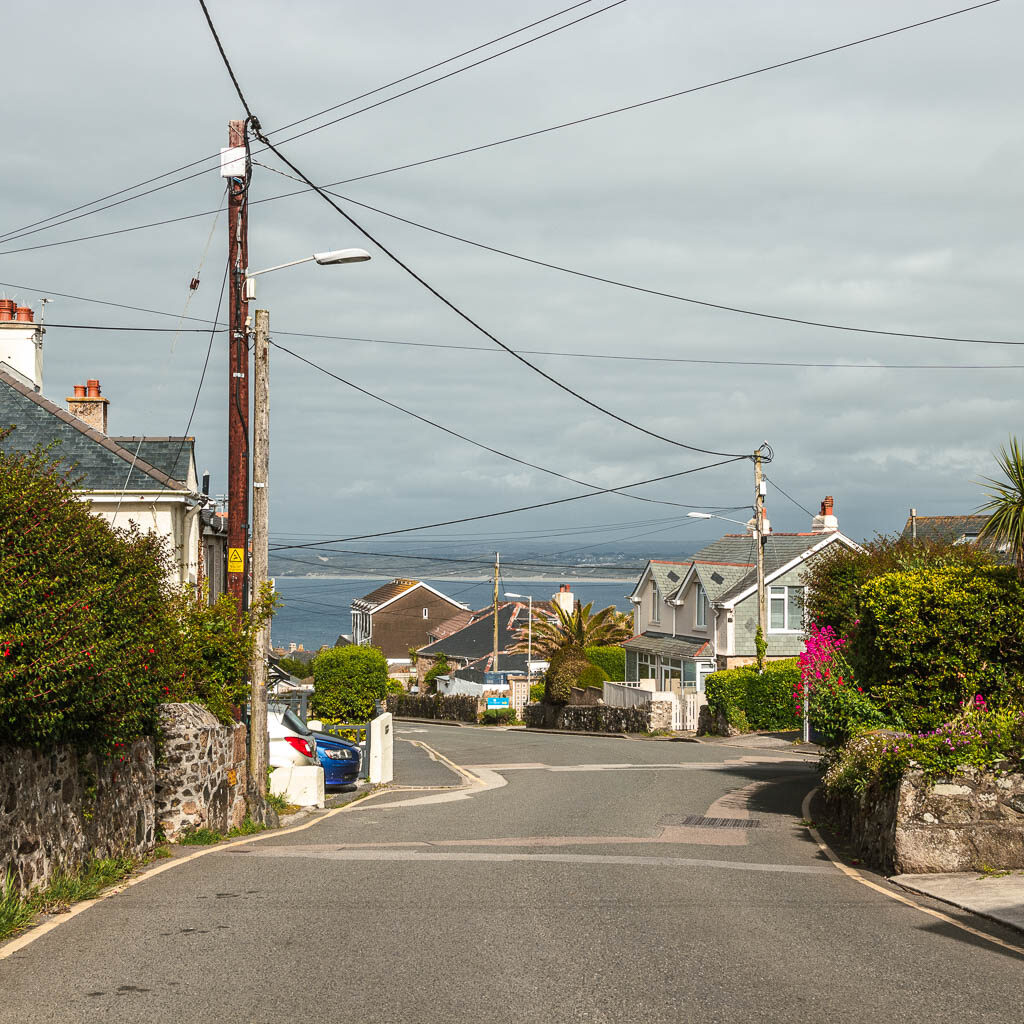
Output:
(79, 391)
(93, 388)
(826, 505)
(7, 309)
(24, 314)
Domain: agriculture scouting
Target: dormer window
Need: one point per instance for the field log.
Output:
(702, 607)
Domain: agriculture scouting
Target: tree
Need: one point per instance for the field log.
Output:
(576, 629)
(1006, 504)
(347, 681)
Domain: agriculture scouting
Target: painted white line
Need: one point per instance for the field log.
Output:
(899, 898)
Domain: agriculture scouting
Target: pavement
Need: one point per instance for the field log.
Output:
(997, 895)
(517, 877)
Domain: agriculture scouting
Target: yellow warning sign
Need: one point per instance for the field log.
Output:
(236, 560)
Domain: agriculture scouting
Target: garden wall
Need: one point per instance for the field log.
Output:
(453, 708)
(965, 823)
(61, 807)
(650, 717)
(202, 774)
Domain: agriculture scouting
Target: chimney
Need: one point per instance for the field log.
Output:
(89, 405)
(21, 343)
(564, 599)
(825, 521)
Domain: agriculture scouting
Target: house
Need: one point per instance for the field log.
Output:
(699, 615)
(943, 529)
(148, 481)
(467, 641)
(398, 616)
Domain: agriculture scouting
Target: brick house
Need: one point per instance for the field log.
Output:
(398, 616)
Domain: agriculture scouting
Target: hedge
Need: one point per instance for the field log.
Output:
(347, 681)
(612, 659)
(751, 700)
(931, 638)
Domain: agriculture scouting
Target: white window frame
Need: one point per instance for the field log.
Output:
(655, 601)
(700, 615)
(426, 613)
(782, 593)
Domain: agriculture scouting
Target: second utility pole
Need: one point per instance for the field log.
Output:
(237, 173)
(497, 564)
(762, 610)
(258, 753)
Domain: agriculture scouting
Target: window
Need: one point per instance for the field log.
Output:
(786, 609)
(655, 602)
(702, 607)
(426, 613)
(671, 672)
(689, 673)
(644, 666)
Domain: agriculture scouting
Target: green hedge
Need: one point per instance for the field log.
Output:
(347, 681)
(749, 700)
(611, 659)
(593, 675)
(930, 638)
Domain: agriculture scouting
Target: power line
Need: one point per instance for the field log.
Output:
(451, 431)
(788, 496)
(33, 228)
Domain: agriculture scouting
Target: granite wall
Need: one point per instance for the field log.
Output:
(968, 822)
(202, 771)
(59, 808)
(653, 716)
(452, 708)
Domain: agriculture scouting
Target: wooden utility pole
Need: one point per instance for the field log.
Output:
(762, 609)
(238, 370)
(260, 553)
(497, 566)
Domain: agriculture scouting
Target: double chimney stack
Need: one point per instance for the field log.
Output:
(89, 405)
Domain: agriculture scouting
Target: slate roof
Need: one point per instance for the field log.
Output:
(944, 529)
(476, 640)
(668, 575)
(667, 645)
(98, 462)
(445, 629)
(171, 455)
(385, 593)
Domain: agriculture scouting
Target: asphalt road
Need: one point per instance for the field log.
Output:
(566, 879)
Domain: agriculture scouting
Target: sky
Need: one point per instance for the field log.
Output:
(877, 187)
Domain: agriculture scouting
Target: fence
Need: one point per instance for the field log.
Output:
(620, 695)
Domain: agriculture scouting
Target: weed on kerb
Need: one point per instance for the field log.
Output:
(15, 913)
(200, 837)
(247, 828)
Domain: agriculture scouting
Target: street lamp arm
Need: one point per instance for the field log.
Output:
(280, 266)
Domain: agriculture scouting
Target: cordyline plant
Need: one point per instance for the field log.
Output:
(92, 634)
(1006, 504)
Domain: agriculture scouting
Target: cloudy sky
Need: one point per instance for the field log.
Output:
(877, 187)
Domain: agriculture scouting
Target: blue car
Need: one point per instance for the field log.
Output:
(339, 758)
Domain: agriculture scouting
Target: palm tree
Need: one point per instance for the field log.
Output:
(1006, 504)
(576, 629)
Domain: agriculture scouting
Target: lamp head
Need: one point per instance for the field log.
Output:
(699, 515)
(326, 259)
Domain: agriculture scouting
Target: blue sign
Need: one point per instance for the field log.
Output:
(497, 702)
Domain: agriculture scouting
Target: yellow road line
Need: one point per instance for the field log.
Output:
(898, 897)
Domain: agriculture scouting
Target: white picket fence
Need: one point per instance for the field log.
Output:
(685, 710)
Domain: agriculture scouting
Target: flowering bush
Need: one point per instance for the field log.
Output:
(976, 738)
(837, 706)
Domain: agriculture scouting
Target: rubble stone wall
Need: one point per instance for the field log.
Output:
(59, 807)
(201, 775)
(968, 822)
(650, 717)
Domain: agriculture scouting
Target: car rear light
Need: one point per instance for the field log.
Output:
(301, 745)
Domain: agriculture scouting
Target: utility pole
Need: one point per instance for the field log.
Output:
(759, 488)
(497, 565)
(260, 555)
(235, 167)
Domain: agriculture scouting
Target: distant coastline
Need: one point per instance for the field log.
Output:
(462, 579)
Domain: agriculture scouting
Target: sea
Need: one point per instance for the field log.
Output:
(315, 610)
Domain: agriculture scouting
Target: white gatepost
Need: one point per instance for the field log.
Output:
(382, 749)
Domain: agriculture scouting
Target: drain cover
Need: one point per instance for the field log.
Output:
(696, 820)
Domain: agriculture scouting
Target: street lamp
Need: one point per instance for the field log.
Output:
(261, 507)
(529, 634)
(324, 259)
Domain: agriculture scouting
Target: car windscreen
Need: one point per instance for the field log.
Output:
(293, 721)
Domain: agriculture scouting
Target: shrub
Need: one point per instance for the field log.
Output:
(930, 638)
(439, 668)
(751, 700)
(294, 667)
(611, 659)
(563, 671)
(498, 716)
(977, 738)
(593, 675)
(536, 692)
(347, 681)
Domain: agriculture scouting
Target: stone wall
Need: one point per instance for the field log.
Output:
(451, 708)
(587, 696)
(964, 823)
(650, 717)
(60, 807)
(201, 777)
